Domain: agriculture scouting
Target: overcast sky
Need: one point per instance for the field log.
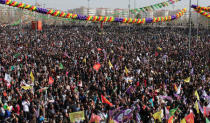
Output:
(69, 4)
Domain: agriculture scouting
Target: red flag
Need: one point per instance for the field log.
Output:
(170, 120)
(99, 49)
(145, 82)
(156, 53)
(104, 100)
(137, 84)
(189, 118)
(95, 118)
(206, 111)
(97, 66)
(51, 80)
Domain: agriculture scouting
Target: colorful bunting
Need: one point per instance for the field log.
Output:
(202, 10)
(87, 18)
(206, 9)
(155, 6)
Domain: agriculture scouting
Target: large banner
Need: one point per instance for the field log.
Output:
(77, 116)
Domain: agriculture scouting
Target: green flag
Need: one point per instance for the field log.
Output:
(16, 55)
(156, 6)
(61, 66)
(166, 3)
(207, 120)
(160, 6)
(12, 68)
(172, 111)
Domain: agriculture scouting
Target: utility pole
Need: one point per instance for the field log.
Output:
(190, 26)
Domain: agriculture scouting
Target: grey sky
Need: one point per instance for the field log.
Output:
(69, 4)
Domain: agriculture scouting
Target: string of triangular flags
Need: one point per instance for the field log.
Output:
(202, 10)
(155, 6)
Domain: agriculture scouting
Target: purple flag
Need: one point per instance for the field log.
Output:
(115, 111)
(130, 90)
(167, 97)
(65, 54)
(177, 96)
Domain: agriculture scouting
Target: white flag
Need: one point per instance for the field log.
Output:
(179, 89)
(7, 78)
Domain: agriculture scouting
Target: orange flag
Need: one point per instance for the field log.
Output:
(189, 118)
(5, 93)
(51, 80)
(97, 66)
(104, 100)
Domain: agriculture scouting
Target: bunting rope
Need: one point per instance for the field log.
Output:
(206, 9)
(149, 8)
(155, 6)
(202, 10)
(57, 13)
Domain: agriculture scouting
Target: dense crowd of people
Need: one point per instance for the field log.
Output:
(46, 75)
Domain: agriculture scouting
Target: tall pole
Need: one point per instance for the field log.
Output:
(197, 24)
(21, 17)
(36, 19)
(129, 7)
(88, 7)
(190, 26)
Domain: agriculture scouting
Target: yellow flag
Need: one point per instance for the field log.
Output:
(126, 70)
(157, 115)
(110, 64)
(187, 80)
(77, 116)
(32, 76)
(196, 94)
(196, 107)
(26, 87)
(183, 120)
(84, 60)
(159, 48)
